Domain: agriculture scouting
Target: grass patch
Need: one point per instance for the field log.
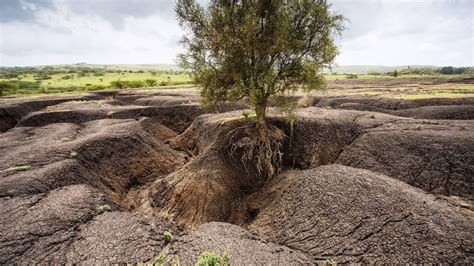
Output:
(57, 80)
(104, 208)
(21, 167)
(208, 258)
(168, 235)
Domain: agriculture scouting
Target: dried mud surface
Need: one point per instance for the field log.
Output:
(99, 178)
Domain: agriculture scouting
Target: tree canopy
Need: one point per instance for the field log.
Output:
(257, 49)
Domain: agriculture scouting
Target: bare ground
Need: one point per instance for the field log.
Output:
(99, 178)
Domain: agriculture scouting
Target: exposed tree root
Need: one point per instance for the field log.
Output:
(258, 148)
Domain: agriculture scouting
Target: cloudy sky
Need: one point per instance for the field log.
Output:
(380, 32)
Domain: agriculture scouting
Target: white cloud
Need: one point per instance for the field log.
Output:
(421, 32)
(381, 32)
(61, 36)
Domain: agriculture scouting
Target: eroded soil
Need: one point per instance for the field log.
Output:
(99, 178)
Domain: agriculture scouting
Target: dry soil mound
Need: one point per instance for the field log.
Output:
(12, 112)
(58, 179)
(461, 112)
(209, 187)
(351, 215)
(437, 157)
(434, 108)
(113, 155)
(99, 182)
(177, 117)
(243, 247)
(433, 155)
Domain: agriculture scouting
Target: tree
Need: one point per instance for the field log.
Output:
(151, 82)
(449, 70)
(118, 84)
(7, 86)
(257, 49)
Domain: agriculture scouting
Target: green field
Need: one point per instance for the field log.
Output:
(57, 80)
(72, 78)
(30, 81)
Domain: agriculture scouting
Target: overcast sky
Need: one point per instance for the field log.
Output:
(380, 32)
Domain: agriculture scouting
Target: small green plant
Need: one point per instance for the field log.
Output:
(331, 262)
(208, 258)
(246, 114)
(168, 235)
(160, 259)
(175, 261)
(104, 208)
(21, 167)
(73, 154)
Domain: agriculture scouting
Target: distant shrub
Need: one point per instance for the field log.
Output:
(118, 84)
(42, 77)
(135, 84)
(96, 87)
(7, 87)
(447, 70)
(151, 82)
(351, 76)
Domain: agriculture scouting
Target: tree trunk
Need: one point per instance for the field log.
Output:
(260, 111)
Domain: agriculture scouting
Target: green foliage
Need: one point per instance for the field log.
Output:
(448, 70)
(160, 259)
(246, 114)
(168, 235)
(208, 258)
(117, 84)
(257, 49)
(151, 82)
(104, 208)
(121, 84)
(21, 167)
(58, 79)
(175, 261)
(7, 87)
(351, 76)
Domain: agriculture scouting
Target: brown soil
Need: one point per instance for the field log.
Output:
(357, 216)
(98, 179)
